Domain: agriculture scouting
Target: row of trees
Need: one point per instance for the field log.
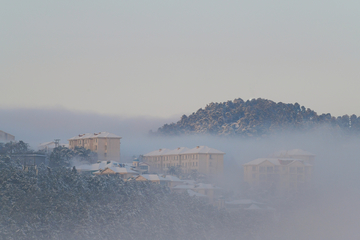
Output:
(256, 117)
(59, 157)
(59, 203)
(62, 156)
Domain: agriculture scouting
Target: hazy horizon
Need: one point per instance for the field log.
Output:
(162, 59)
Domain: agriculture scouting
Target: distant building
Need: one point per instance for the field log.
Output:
(205, 160)
(296, 154)
(48, 147)
(278, 174)
(107, 168)
(29, 160)
(155, 178)
(6, 137)
(140, 167)
(106, 145)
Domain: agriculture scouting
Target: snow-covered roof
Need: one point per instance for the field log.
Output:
(159, 152)
(154, 177)
(183, 150)
(179, 150)
(275, 161)
(185, 186)
(196, 194)
(204, 149)
(116, 169)
(103, 165)
(172, 178)
(46, 144)
(95, 135)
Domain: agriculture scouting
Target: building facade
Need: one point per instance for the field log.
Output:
(106, 145)
(203, 159)
(6, 137)
(278, 174)
(296, 154)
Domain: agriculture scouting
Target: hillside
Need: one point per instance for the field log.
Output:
(256, 117)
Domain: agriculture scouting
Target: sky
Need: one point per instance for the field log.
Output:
(162, 59)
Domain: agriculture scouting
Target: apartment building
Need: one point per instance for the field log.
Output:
(205, 160)
(278, 174)
(6, 137)
(296, 154)
(106, 145)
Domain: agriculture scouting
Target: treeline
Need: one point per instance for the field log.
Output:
(59, 203)
(256, 117)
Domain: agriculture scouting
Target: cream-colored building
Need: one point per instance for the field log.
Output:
(278, 174)
(296, 154)
(106, 145)
(6, 137)
(205, 160)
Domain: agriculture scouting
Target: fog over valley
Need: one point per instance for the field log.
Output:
(329, 209)
(179, 120)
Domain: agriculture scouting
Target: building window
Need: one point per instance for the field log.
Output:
(292, 177)
(300, 178)
(270, 169)
(300, 170)
(262, 177)
(254, 168)
(262, 169)
(254, 176)
(210, 157)
(292, 170)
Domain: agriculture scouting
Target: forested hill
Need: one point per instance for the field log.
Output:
(256, 117)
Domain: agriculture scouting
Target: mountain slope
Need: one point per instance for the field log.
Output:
(255, 117)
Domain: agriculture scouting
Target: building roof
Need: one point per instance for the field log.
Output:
(196, 194)
(179, 150)
(161, 151)
(275, 161)
(116, 169)
(293, 152)
(172, 178)
(4, 136)
(95, 135)
(154, 177)
(101, 166)
(204, 149)
(185, 186)
(184, 150)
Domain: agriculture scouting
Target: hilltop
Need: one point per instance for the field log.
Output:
(256, 117)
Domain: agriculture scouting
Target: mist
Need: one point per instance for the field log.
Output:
(330, 210)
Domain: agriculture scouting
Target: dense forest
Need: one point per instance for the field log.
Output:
(256, 117)
(59, 203)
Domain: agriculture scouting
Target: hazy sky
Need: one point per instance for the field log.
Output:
(166, 58)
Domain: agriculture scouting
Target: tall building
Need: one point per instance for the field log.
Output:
(278, 174)
(296, 154)
(106, 145)
(6, 137)
(205, 160)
